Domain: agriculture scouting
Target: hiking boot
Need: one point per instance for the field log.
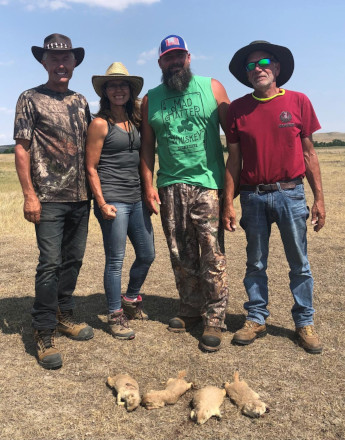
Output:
(211, 338)
(308, 339)
(133, 309)
(249, 332)
(180, 324)
(47, 353)
(118, 324)
(70, 328)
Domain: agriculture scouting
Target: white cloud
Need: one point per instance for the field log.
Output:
(147, 56)
(6, 63)
(3, 2)
(199, 57)
(117, 5)
(6, 110)
(93, 104)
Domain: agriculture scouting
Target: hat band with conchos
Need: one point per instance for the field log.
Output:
(58, 42)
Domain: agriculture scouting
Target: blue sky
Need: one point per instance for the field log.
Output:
(130, 31)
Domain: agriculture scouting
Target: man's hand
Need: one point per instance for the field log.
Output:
(229, 217)
(152, 199)
(32, 209)
(318, 215)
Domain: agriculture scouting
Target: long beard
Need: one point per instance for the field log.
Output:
(177, 80)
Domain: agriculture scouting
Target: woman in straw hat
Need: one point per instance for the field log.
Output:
(112, 162)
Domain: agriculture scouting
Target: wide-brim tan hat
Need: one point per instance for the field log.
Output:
(117, 71)
(281, 53)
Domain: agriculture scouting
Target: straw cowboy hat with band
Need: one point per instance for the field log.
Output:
(58, 43)
(282, 54)
(117, 71)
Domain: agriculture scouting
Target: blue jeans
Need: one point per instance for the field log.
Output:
(288, 209)
(132, 219)
(61, 240)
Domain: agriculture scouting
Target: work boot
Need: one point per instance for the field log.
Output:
(249, 332)
(180, 324)
(133, 309)
(308, 339)
(47, 353)
(70, 328)
(118, 325)
(211, 338)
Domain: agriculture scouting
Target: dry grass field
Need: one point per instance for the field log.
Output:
(305, 393)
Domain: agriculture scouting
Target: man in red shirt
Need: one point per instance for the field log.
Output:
(270, 152)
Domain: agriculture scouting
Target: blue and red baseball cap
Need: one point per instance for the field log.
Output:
(172, 42)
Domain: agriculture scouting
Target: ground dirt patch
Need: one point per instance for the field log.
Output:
(305, 392)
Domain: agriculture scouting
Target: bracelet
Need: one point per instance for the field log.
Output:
(100, 207)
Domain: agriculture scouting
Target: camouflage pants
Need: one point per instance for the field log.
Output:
(190, 218)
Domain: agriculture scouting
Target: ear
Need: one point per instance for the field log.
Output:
(111, 382)
(44, 65)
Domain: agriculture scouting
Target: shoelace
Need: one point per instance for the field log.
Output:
(309, 330)
(67, 319)
(121, 320)
(46, 340)
(250, 324)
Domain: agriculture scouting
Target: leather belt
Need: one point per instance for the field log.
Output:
(262, 187)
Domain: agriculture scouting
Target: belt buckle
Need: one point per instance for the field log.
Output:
(260, 190)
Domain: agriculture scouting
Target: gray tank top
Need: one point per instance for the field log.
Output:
(118, 166)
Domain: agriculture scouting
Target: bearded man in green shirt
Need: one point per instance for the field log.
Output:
(183, 115)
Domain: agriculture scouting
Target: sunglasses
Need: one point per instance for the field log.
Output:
(115, 86)
(264, 62)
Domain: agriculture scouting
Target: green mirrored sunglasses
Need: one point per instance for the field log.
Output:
(264, 62)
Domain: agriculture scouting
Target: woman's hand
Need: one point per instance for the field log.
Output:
(108, 211)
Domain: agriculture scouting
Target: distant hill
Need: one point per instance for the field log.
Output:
(328, 137)
(318, 137)
(6, 147)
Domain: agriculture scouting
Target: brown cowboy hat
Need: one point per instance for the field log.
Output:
(58, 42)
(281, 53)
(117, 71)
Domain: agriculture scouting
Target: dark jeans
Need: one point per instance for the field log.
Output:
(61, 240)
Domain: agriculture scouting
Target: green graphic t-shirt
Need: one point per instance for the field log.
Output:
(186, 126)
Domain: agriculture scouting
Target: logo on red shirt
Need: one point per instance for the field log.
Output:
(285, 117)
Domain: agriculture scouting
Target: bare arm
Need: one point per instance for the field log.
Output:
(313, 175)
(147, 159)
(32, 205)
(222, 101)
(232, 178)
(96, 134)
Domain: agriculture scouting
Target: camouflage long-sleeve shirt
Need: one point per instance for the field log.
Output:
(56, 126)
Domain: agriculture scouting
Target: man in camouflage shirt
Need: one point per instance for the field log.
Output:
(50, 132)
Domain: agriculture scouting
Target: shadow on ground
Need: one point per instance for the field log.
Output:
(15, 316)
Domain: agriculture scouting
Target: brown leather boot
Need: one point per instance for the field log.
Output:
(180, 324)
(134, 309)
(211, 338)
(249, 332)
(309, 339)
(47, 353)
(118, 325)
(70, 328)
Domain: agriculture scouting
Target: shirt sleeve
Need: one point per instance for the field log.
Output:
(232, 136)
(25, 118)
(310, 123)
